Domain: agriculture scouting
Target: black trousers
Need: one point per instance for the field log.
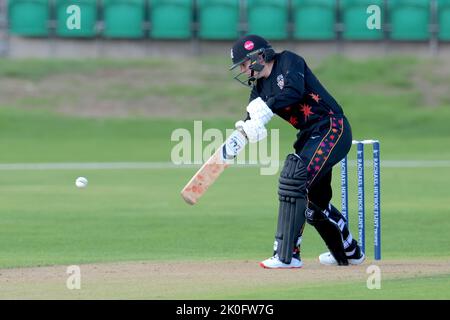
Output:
(321, 147)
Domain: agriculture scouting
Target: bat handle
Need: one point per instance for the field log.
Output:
(242, 131)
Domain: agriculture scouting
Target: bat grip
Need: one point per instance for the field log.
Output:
(242, 131)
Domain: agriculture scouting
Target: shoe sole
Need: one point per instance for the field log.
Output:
(262, 265)
(351, 262)
(356, 262)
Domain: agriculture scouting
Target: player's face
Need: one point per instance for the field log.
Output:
(245, 68)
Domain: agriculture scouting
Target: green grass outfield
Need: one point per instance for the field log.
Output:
(139, 215)
(127, 215)
(403, 289)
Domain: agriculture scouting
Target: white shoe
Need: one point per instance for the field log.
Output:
(275, 263)
(328, 259)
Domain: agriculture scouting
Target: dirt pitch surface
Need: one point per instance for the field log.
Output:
(192, 280)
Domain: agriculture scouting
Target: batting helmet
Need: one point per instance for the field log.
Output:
(249, 47)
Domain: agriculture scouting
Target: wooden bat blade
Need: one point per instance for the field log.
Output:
(213, 168)
(204, 178)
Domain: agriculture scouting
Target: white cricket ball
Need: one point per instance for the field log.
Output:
(81, 182)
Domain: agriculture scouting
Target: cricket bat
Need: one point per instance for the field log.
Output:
(213, 167)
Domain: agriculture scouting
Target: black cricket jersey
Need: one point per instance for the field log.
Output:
(294, 93)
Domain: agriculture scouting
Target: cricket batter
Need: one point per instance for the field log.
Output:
(282, 84)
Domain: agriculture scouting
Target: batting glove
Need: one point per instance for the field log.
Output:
(259, 110)
(254, 130)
